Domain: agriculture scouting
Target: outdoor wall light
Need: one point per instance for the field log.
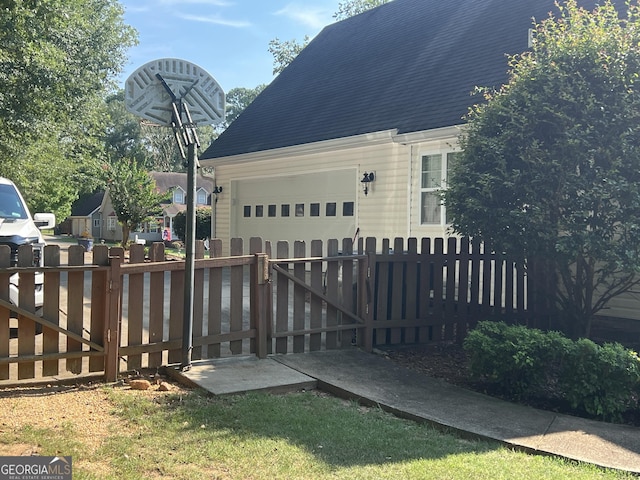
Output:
(366, 180)
(217, 190)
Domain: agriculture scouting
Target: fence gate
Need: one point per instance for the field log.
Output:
(321, 302)
(73, 318)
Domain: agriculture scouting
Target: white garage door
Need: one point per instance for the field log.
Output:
(305, 207)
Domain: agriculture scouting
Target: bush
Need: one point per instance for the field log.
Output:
(602, 381)
(203, 224)
(516, 360)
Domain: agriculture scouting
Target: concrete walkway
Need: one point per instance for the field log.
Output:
(371, 379)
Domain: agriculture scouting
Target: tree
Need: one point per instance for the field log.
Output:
(59, 58)
(203, 224)
(354, 7)
(551, 161)
(238, 99)
(133, 194)
(285, 51)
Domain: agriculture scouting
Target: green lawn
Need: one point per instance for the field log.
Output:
(303, 435)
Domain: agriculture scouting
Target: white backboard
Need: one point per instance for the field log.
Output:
(146, 96)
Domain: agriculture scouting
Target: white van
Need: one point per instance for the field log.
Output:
(17, 227)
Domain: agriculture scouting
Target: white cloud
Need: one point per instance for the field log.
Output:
(315, 18)
(216, 20)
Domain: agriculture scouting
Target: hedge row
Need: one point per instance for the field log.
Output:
(602, 380)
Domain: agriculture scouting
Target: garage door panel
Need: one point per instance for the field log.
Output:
(304, 207)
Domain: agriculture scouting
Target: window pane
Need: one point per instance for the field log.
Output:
(331, 209)
(259, 210)
(314, 209)
(272, 210)
(431, 171)
(284, 210)
(299, 209)
(431, 208)
(347, 209)
(247, 211)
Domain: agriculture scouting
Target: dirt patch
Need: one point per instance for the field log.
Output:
(86, 407)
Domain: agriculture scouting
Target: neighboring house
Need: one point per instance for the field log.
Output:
(384, 92)
(85, 216)
(152, 231)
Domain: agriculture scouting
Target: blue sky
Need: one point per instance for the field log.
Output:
(228, 38)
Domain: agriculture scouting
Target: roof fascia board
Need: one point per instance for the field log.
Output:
(444, 133)
(365, 140)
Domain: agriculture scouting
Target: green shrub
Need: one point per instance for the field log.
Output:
(601, 380)
(517, 361)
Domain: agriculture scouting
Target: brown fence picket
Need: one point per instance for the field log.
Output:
(332, 281)
(236, 296)
(299, 293)
(411, 295)
(451, 265)
(135, 306)
(425, 333)
(474, 283)
(75, 306)
(315, 305)
(99, 296)
(462, 299)
(214, 315)
(156, 304)
(347, 289)
(486, 281)
(26, 326)
(51, 309)
(282, 300)
(397, 290)
(198, 300)
(5, 313)
(438, 289)
(176, 312)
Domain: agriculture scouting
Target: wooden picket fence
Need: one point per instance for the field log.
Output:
(124, 311)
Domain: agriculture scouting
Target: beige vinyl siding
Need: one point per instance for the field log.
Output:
(381, 213)
(626, 305)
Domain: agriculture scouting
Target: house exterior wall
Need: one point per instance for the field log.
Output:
(382, 212)
(109, 234)
(390, 209)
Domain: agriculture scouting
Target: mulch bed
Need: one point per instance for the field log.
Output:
(448, 361)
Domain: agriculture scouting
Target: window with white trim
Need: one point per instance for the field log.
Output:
(112, 222)
(178, 196)
(201, 197)
(434, 169)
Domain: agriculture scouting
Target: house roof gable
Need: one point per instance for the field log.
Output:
(166, 181)
(409, 65)
(88, 205)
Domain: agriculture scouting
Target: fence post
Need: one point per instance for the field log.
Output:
(99, 302)
(365, 303)
(111, 331)
(5, 313)
(261, 288)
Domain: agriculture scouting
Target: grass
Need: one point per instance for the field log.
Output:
(303, 435)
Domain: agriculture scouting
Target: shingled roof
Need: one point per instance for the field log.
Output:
(409, 65)
(166, 181)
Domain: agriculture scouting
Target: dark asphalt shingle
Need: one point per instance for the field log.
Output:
(409, 65)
